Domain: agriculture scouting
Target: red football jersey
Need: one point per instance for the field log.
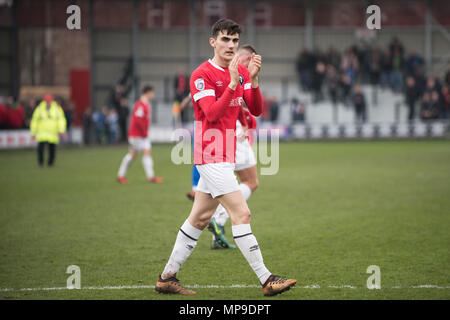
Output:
(216, 108)
(140, 120)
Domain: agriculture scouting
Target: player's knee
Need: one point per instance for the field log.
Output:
(244, 217)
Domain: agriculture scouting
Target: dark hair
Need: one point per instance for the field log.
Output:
(248, 47)
(227, 25)
(147, 89)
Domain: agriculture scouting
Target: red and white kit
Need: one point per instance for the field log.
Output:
(139, 126)
(216, 108)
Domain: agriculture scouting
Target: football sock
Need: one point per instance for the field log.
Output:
(184, 245)
(126, 161)
(147, 162)
(248, 245)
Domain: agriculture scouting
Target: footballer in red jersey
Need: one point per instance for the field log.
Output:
(245, 167)
(218, 88)
(139, 139)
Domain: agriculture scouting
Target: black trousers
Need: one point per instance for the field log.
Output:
(51, 153)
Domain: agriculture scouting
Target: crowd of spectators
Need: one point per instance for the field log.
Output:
(108, 124)
(17, 114)
(337, 76)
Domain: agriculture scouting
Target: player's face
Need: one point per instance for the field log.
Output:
(244, 57)
(225, 45)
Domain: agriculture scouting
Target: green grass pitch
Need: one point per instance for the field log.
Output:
(333, 209)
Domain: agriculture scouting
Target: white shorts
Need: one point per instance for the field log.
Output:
(245, 157)
(217, 178)
(139, 144)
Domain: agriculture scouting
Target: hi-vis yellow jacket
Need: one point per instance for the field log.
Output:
(47, 124)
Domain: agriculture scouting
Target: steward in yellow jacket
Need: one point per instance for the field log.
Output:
(47, 122)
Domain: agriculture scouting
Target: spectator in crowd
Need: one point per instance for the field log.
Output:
(112, 121)
(386, 68)
(29, 109)
(447, 76)
(414, 62)
(412, 94)
(374, 65)
(181, 85)
(47, 123)
(15, 114)
(333, 58)
(298, 110)
(304, 68)
(116, 95)
(429, 109)
(87, 125)
(69, 114)
(445, 101)
(274, 109)
(3, 113)
(99, 119)
(350, 64)
(123, 114)
(396, 78)
(421, 80)
(346, 88)
(317, 80)
(332, 82)
(359, 103)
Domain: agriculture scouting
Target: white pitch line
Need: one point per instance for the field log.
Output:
(215, 286)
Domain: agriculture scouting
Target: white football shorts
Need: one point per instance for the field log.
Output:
(245, 157)
(217, 178)
(139, 144)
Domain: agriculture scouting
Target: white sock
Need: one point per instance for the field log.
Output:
(147, 162)
(221, 215)
(248, 245)
(126, 161)
(184, 245)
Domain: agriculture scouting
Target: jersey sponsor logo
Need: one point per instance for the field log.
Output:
(219, 83)
(236, 102)
(199, 84)
(241, 79)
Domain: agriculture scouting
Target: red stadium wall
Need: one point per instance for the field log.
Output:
(79, 93)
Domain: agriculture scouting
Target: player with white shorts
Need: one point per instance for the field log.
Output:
(219, 87)
(139, 139)
(245, 164)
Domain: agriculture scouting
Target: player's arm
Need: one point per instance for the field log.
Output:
(252, 97)
(185, 102)
(204, 94)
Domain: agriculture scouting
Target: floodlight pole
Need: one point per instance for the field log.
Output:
(135, 49)
(428, 35)
(192, 36)
(91, 55)
(251, 23)
(15, 69)
(309, 43)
